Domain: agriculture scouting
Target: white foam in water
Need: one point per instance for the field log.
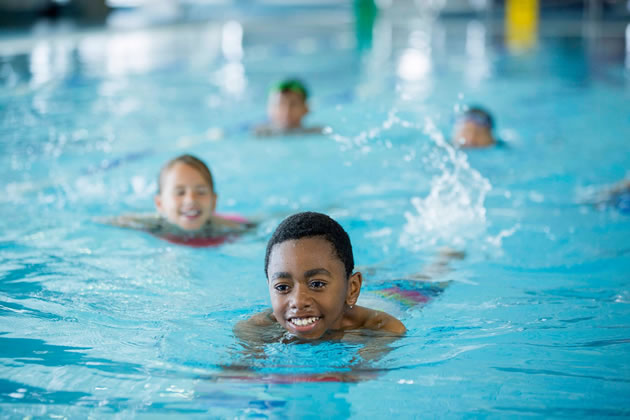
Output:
(497, 240)
(453, 211)
(361, 140)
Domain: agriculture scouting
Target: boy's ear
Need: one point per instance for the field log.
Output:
(354, 288)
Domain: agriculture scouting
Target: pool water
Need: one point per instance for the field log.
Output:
(104, 322)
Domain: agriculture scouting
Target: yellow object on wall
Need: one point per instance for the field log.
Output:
(521, 24)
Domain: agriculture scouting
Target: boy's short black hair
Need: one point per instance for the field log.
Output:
(291, 85)
(309, 224)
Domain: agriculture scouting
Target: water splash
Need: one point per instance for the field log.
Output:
(361, 141)
(497, 240)
(453, 212)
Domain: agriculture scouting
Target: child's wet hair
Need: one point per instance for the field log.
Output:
(479, 115)
(311, 224)
(193, 162)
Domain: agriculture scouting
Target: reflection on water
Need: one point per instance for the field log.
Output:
(14, 309)
(33, 351)
(18, 393)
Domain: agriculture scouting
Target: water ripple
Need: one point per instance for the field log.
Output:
(558, 373)
(570, 412)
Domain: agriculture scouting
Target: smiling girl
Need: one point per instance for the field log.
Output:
(186, 202)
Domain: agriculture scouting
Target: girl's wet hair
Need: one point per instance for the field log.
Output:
(311, 224)
(191, 161)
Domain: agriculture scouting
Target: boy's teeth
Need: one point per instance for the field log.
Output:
(304, 321)
(191, 212)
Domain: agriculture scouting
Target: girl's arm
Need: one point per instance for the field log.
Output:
(145, 222)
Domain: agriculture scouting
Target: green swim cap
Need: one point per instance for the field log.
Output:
(291, 85)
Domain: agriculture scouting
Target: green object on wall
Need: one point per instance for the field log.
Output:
(365, 12)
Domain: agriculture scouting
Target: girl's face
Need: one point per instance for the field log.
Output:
(186, 199)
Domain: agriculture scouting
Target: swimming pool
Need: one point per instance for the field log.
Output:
(106, 322)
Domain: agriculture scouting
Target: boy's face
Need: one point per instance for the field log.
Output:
(471, 134)
(286, 109)
(308, 287)
(186, 199)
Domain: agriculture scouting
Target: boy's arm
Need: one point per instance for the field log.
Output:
(606, 195)
(620, 187)
(314, 130)
(269, 131)
(265, 131)
(251, 330)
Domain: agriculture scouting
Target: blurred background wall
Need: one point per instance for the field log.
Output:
(24, 12)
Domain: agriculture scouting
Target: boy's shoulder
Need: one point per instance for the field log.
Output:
(375, 320)
(262, 319)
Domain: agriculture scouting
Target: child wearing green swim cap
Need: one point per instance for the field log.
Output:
(286, 108)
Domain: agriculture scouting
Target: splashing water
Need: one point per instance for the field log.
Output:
(454, 211)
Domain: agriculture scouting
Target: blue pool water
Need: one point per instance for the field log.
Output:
(104, 322)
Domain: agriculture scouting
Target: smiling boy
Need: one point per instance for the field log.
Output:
(312, 286)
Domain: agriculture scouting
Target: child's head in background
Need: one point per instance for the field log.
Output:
(474, 128)
(287, 104)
